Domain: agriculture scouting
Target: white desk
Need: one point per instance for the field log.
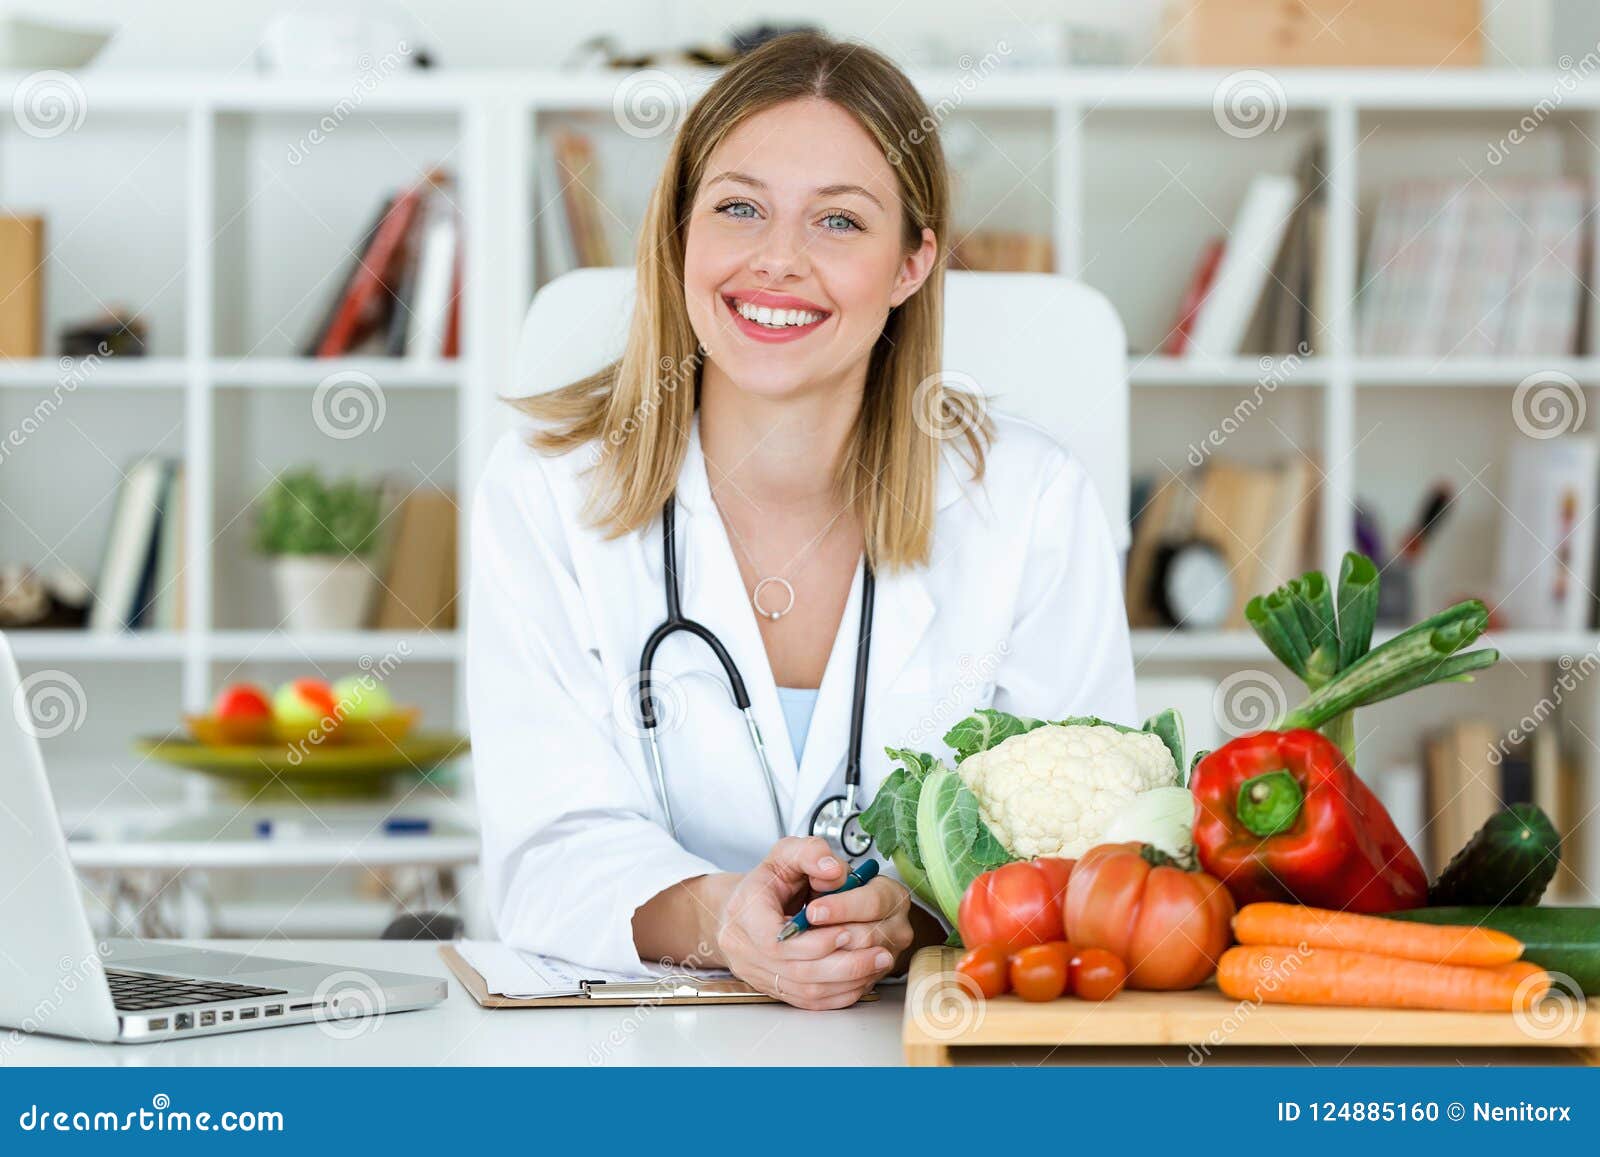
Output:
(458, 1032)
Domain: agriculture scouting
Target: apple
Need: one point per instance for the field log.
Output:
(303, 702)
(362, 697)
(242, 701)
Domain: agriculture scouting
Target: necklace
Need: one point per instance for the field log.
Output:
(778, 582)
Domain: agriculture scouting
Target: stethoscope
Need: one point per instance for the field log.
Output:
(837, 818)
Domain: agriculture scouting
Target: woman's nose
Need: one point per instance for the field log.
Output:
(781, 252)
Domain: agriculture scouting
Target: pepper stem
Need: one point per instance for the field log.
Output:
(1269, 803)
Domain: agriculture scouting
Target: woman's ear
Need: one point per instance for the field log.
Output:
(915, 268)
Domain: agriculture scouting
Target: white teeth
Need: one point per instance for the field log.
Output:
(776, 318)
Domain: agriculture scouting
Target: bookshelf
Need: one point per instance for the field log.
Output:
(1126, 171)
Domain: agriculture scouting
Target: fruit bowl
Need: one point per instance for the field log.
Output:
(303, 771)
(258, 731)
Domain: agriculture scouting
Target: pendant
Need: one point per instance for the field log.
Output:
(755, 597)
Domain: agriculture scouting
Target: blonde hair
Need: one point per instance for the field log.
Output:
(635, 409)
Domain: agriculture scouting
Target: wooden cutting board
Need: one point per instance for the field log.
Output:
(941, 1017)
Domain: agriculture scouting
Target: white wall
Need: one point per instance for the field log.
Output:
(506, 33)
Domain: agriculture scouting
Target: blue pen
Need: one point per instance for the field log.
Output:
(861, 874)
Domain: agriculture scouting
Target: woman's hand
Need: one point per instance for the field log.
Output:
(856, 938)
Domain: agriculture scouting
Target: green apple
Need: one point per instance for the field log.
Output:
(303, 703)
(362, 697)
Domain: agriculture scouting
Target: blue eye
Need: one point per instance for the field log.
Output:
(727, 209)
(850, 222)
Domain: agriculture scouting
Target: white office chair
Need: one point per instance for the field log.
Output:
(1041, 347)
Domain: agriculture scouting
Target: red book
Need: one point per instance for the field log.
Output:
(452, 328)
(361, 308)
(1205, 272)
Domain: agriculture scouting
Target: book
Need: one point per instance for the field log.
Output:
(167, 612)
(1546, 539)
(352, 268)
(1205, 272)
(1475, 269)
(1153, 524)
(1234, 512)
(1252, 249)
(429, 307)
(127, 564)
(585, 213)
(1545, 301)
(21, 286)
(419, 580)
(364, 306)
(995, 251)
(1285, 318)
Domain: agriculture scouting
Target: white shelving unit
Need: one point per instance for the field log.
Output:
(1128, 171)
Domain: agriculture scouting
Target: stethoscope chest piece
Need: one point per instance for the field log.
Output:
(838, 821)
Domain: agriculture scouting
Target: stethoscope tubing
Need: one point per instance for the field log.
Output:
(676, 621)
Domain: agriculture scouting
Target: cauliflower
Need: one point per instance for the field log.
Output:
(1051, 791)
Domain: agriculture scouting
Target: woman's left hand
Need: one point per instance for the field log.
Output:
(876, 915)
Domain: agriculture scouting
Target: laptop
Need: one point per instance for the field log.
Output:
(56, 979)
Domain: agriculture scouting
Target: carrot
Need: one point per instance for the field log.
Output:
(1324, 928)
(1277, 974)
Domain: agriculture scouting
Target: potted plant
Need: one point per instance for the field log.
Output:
(318, 535)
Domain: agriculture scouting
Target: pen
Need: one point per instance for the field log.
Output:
(859, 875)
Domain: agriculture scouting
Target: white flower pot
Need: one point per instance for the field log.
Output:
(322, 592)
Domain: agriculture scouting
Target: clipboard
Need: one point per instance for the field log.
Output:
(598, 993)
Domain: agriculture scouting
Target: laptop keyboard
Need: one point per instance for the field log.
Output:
(136, 991)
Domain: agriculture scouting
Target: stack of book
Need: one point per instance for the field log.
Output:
(401, 293)
(141, 582)
(1258, 289)
(1474, 269)
(572, 216)
(1260, 519)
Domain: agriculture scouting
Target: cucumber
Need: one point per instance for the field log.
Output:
(1559, 939)
(1510, 860)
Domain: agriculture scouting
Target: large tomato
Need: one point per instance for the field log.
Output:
(1015, 905)
(1168, 924)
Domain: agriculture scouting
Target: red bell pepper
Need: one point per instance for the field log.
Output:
(1280, 815)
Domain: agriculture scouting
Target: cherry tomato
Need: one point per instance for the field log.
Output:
(987, 967)
(1096, 974)
(1039, 971)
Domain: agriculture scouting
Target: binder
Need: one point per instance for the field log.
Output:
(667, 990)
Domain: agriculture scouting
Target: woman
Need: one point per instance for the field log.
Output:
(780, 388)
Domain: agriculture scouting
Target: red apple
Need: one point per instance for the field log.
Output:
(242, 701)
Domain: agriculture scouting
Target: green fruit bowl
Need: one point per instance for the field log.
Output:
(305, 769)
(257, 731)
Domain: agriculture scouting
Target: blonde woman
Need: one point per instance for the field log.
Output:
(778, 398)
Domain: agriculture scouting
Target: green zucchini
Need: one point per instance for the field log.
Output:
(1560, 939)
(1509, 861)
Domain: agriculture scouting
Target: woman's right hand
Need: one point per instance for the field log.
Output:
(791, 970)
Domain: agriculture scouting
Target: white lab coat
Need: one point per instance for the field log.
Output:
(1021, 609)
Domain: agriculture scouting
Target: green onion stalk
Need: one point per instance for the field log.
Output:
(1324, 635)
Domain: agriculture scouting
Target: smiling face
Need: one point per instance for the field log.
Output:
(796, 250)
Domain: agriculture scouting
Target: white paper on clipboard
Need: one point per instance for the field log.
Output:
(515, 974)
